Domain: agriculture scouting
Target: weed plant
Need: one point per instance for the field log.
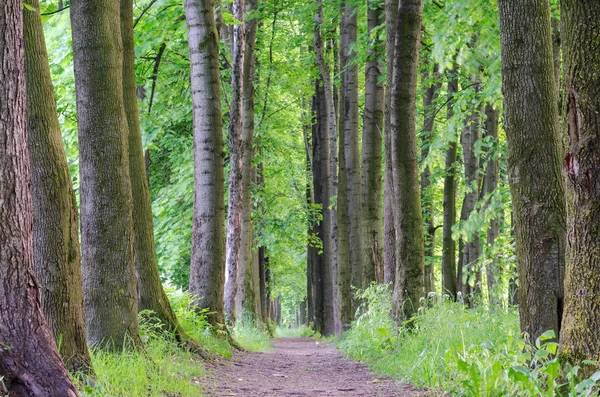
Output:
(465, 352)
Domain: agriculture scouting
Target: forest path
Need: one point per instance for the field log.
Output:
(298, 367)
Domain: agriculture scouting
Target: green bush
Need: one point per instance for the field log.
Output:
(465, 352)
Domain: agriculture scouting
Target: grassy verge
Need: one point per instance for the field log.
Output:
(163, 369)
(466, 352)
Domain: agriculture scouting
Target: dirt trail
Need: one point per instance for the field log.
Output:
(298, 367)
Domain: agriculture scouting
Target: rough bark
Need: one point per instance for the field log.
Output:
(534, 159)
(389, 231)
(245, 276)
(328, 126)
(109, 283)
(429, 100)
(349, 113)
(405, 168)
(449, 270)
(151, 295)
(207, 269)
(490, 183)
(29, 360)
(57, 259)
(235, 140)
(581, 49)
(372, 141)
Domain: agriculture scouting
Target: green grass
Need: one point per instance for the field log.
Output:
(300, 332)
(251, 337)
(449, 348)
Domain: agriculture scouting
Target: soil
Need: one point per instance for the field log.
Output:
(298, 367)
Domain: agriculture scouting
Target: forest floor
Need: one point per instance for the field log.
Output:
(298, 367)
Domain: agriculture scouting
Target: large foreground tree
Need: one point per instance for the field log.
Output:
(56, 252)
(109, 282)
(29, 360)
(581, 97)
(534, 161)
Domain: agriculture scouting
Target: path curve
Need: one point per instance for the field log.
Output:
(298, 367)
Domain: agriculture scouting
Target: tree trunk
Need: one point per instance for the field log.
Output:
(389, 231)
(490, 183)
(581, 41)
(349, 113)
(534, 157)
(57, 259)
(328, 160)
(429, 101)
(372, 141)
(109, 283)
(405, 168)
(245, 276)
(449, 270)
(236, 158)
(207, 269)
(29, 360)
(151, 295)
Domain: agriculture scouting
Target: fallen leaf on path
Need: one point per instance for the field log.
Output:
(280, 375)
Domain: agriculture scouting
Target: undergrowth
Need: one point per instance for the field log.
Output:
(163, 368)
(301, 331)
(466, 352)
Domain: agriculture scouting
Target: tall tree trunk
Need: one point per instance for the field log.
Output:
(329, 160)
(389, 231)
(31, 366)
(109, 283)
(57, 260)
(427, 137)
(405, 167)
(313, 227)
(490, 183)
(449, 270)
(236, 158)
(246, 272)
(469, 137)
(534, 158)
(349, 113)
(207, 269)
(151, 295)
(581, 44)
(372, 141)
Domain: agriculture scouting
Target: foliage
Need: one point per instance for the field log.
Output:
(301, 331)
(466, 352)
(251, 337)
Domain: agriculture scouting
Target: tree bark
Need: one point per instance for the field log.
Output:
(372, 141)
(449, 270)
(429, 101)
(207, 269)
(151, 295)
(534, 157)
(581, 43)
(236, 188)
(29, 360)
(109, 283)
(405, 168)
(57, 259)
(389, 231)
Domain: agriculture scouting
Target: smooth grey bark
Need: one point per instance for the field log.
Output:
(405, 169)
(329, 264)
(151, 295)
(429, 100)
(490, 183)
(56, 255)
(449, 270)
(372, 141)
(246, 269)
(207, 268)
(31, 365)
(235, 140)
(349, 114)
(581, 106)
(389, 230)
(534, 162)
(109, 282)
